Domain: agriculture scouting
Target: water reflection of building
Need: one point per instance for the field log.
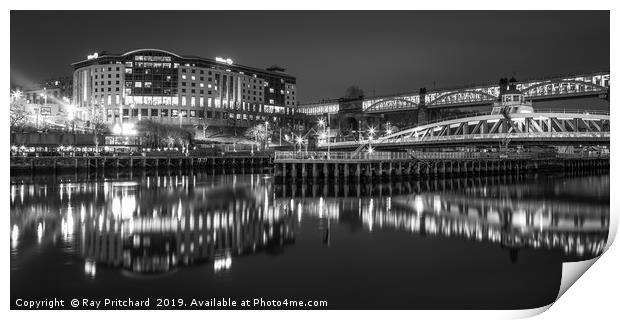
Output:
(156, 224)
(161, 235)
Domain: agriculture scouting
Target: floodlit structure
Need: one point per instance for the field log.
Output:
(178, 89)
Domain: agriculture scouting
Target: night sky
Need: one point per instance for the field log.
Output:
(382, 52)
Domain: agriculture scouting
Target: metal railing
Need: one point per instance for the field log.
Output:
(343, 156)
(339, 155)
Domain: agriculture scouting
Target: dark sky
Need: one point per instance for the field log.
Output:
(382, 52)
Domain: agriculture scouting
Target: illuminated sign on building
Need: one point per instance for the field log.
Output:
(92, 56)
(224, 60)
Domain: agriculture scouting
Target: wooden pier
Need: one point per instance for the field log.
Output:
(87, 163)
(349, 165)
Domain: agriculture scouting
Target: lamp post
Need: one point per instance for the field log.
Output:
(266, 135)
(328, 136)
(299, 141)
(371, 132)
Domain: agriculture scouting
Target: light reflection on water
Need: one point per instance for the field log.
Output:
(159, 224)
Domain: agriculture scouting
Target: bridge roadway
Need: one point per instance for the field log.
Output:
(538, 128)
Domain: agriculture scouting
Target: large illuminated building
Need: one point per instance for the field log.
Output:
(185, 90)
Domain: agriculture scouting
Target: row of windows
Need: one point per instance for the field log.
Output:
(117, 89)
(109, 69)
(118, 75)
(153, 58)
(109, 82)
(106, 100)
(185, 113)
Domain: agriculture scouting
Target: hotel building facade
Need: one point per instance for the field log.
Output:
(186, 90)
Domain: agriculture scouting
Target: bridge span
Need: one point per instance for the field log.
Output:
(554, 88)
(536, 128)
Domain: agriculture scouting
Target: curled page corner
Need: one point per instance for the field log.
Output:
(571, 271)
(528, 313)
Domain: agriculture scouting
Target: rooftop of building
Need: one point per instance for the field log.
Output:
(274, 69)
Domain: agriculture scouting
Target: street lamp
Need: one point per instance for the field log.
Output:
(16, 94)
(266, 134)
(371, 132)
(299, 140)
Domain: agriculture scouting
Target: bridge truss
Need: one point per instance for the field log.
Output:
(574, 86)
(529, 128)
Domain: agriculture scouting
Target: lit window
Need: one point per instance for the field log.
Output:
(183, 77)
(138, 84)
(147, 84)
(192, 101)
(183, 101)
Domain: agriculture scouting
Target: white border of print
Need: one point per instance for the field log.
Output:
(593, 295)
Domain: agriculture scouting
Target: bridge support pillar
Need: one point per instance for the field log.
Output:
(315, 172)
(325, 171)
(358, 171)
(304, 174)
(346, 171)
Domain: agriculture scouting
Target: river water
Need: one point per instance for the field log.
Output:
(494, 242)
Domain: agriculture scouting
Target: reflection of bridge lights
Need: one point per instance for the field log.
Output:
(90, 268)
(419, 204)
(222, 263)
(39, 232)
(67, 227)
(437, 204)
(14, 236)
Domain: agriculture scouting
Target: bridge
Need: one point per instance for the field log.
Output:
(536, 128)
(565, 87)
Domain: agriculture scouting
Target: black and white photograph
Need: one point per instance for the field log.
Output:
(197, 159)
